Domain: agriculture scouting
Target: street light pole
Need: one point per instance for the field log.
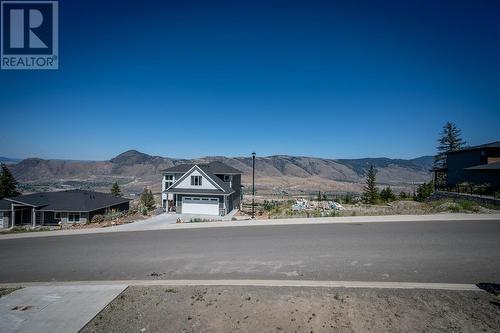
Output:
(253, 185)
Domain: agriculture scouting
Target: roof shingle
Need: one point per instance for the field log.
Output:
(70, 200)
(215, 167)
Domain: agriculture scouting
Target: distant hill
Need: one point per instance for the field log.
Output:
(8, 160)
(134, 170)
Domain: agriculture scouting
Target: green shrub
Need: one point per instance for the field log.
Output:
(387, 195)
(424, 191)
(97, 218)
(467, 205)
(147, 200)
(269, 205)
(346, 199)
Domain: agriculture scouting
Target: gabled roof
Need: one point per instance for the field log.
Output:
(491, 166)
(216, 181)
(495, 144)
(215, 167)
(71, 200)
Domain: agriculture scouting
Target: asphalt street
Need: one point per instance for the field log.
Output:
(440, 252)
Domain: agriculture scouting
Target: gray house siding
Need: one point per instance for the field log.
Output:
(5, 218)
(491, 177)
(457, 163)
(236, 196)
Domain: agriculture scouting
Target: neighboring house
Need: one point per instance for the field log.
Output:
(477, 165)
(50, 208)
(207, 189)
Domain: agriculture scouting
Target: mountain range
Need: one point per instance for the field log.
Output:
(134, 170)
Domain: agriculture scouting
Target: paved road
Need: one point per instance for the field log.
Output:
(447, 252)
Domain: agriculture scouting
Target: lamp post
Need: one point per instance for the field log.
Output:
(253, 185)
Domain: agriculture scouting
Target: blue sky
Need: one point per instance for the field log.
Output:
(189, 79)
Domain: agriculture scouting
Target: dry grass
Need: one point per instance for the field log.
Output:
(283, 209)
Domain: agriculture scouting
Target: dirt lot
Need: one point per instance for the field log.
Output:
(282, 208)
(285, 309)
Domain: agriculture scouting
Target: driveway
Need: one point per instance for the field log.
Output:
(157, 222)
(152, 223)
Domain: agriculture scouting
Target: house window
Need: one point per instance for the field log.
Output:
(169, 179)
(57, 215)
(196, 180)
(74, 217)
(226, 178)
(482, 157)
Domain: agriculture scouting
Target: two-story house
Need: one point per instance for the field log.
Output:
(477, 165)
(208, 189)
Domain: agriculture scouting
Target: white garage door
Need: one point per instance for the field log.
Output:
(204, 206)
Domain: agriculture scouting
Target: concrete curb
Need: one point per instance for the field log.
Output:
(261, 283)
(272, 222)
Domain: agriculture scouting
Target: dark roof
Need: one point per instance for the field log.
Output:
(491, 166)
(4, 204)
(226, 189)
(495, 144)
(215, 167)
(71, 200)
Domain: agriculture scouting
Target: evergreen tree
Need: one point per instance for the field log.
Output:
(424, 191)
(8, 184)
(115, 190)
(147, 199)
(370, 191)
(387, 195)
(449, 141)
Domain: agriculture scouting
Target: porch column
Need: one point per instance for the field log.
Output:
(12, 215)
(33, 217)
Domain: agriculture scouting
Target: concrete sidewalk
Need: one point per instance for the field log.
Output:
(156, 223)
(54, 308)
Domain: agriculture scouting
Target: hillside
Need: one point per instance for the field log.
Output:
(134, 170)
(8, 160)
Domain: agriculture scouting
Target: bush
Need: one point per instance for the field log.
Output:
(404, 195)
(424, 191)
(387, 195)
(97, 218)
(147, 200)
(144, 210)
(346, 199)
(269, 205)
(468, 205)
